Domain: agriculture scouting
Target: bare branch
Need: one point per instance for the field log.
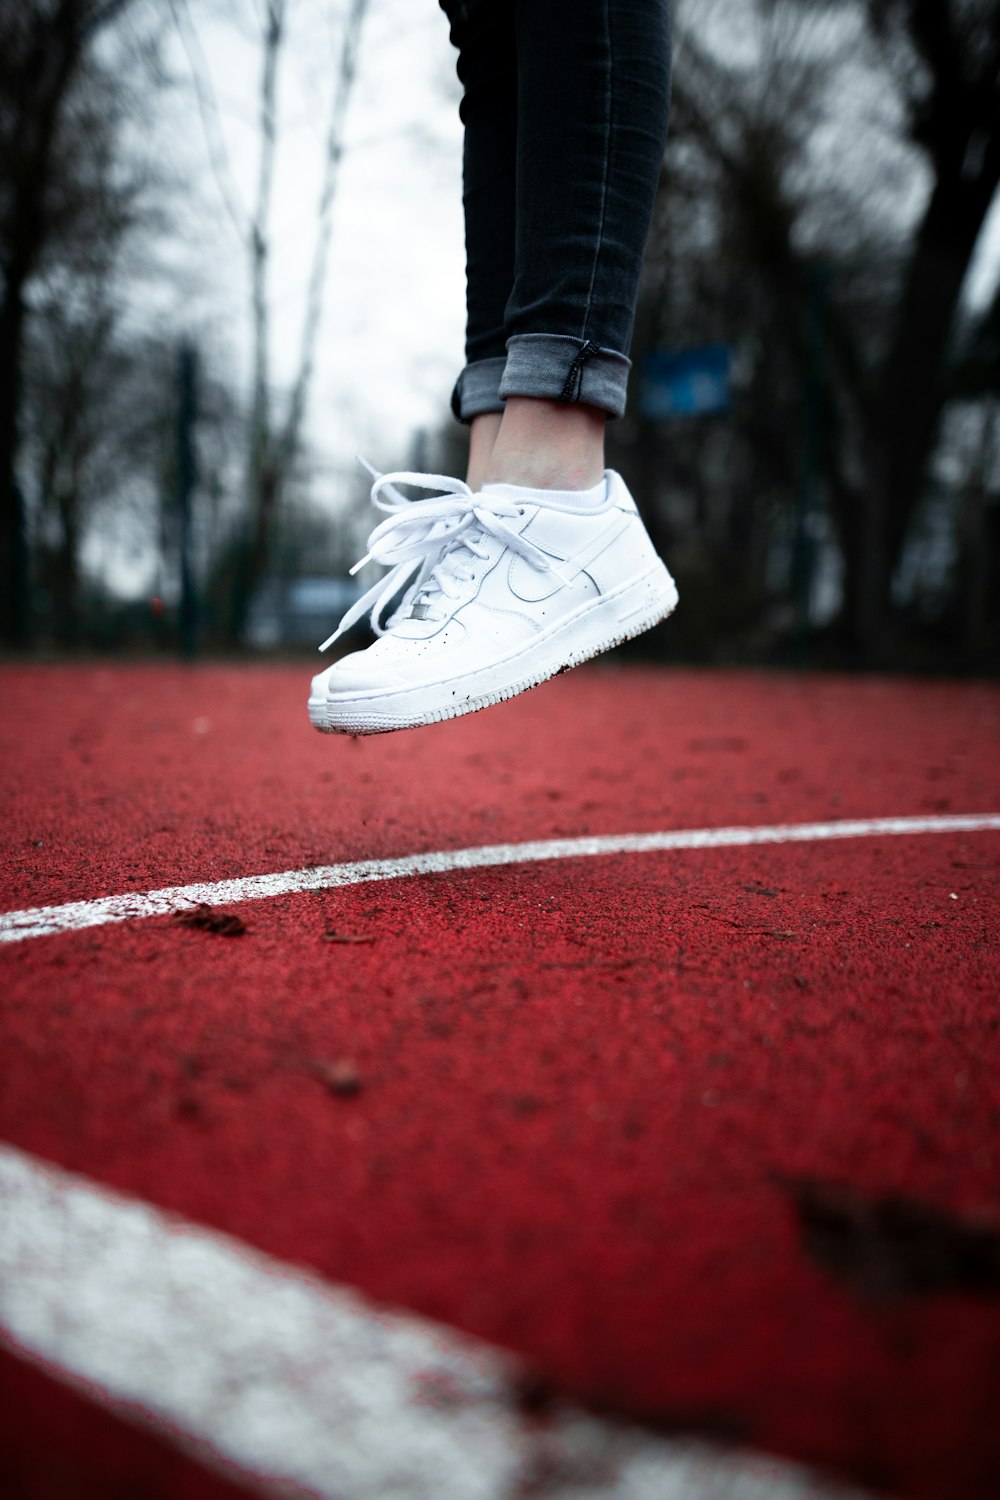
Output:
(208, 110)
(344, 80)
(260, 236)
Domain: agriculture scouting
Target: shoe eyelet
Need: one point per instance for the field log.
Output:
(520, 510)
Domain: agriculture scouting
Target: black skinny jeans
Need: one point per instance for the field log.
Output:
(565, 113)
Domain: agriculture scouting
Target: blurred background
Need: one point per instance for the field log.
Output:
(232, 258)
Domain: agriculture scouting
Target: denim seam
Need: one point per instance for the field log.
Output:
(574, 380)
(607, 165)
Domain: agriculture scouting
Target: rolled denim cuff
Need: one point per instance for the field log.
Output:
(560, 368)
(477, 388)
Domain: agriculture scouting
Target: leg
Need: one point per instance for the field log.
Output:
(547, 445)
(539, 568)
(593, 96)
(483, 32)
(483, 431)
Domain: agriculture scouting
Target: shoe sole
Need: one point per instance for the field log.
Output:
(635, 608)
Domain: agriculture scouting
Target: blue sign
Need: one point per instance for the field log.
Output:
(685, 382)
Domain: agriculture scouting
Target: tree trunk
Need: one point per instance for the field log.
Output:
(976, 562)
(255, 552)
(49, 64)
(261, 481)
(913, 390)
(66, 574)
(14, 592)
(956, 123)
(867, 576)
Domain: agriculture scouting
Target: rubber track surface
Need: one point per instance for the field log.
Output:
(712, 1137)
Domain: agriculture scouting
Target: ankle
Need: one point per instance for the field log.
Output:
(535, 471)
(483, 431)
(547, 445)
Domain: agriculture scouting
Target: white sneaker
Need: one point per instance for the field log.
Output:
(507, 587)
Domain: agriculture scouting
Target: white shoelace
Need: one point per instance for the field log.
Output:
(451, 527)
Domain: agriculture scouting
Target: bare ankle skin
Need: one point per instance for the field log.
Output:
(482, 435)
(548, 445)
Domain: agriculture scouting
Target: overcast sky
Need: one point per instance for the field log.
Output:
(393, 325)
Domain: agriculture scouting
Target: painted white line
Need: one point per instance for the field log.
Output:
(263, 1367)
(45, 921)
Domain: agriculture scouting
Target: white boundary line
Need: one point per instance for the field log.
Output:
(261, 1366)
(46, 921)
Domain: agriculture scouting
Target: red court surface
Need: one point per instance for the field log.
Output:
(711, 1137)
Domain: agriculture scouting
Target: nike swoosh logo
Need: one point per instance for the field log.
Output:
(531, 586)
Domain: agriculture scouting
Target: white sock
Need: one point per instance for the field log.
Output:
(594, 496)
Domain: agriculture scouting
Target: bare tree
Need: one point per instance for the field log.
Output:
(274, 446)
(44, 45)
(947, 55)
(756, 221)
(78, 433)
